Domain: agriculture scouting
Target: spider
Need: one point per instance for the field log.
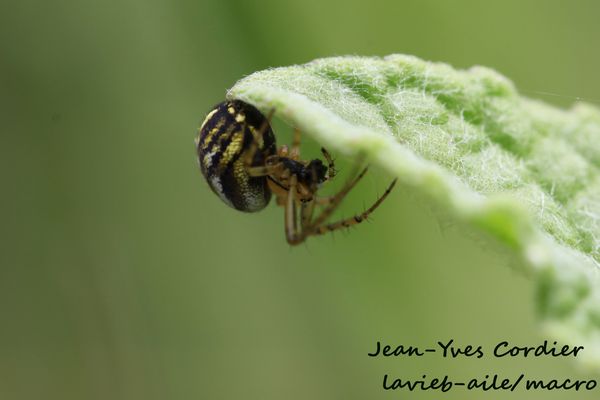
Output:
(242, 165)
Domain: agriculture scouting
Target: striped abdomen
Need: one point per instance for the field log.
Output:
(224, 140)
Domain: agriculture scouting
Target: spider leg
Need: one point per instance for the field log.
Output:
(291, 227)
(357, 219)
(295, 150)
(257, 137)
(263, 170)
(331, 172)
(322, 201)
(335, 201)
(306, 214)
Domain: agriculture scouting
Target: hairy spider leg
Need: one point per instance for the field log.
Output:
(257, 136)
(263, 170)
(291, 228)
(295, 150)
(357, 219)
(294, 236)
(306, 213)
(335, 201)
(331, 172)
(324, 200)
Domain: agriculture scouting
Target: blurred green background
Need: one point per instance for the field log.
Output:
(123, 276)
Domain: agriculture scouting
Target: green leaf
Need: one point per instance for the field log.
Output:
(522, 171)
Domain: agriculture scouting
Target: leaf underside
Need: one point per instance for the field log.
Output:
(523, 171)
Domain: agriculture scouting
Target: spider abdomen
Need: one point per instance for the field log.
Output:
(224, 147)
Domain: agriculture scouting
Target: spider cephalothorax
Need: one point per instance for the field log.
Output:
(309, 175)
(239, 159)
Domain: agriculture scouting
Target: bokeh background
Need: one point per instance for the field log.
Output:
(123, 277)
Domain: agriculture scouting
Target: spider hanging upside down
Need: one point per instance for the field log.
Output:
(239, 159)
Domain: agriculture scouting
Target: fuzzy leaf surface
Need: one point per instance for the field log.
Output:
(522, 171)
